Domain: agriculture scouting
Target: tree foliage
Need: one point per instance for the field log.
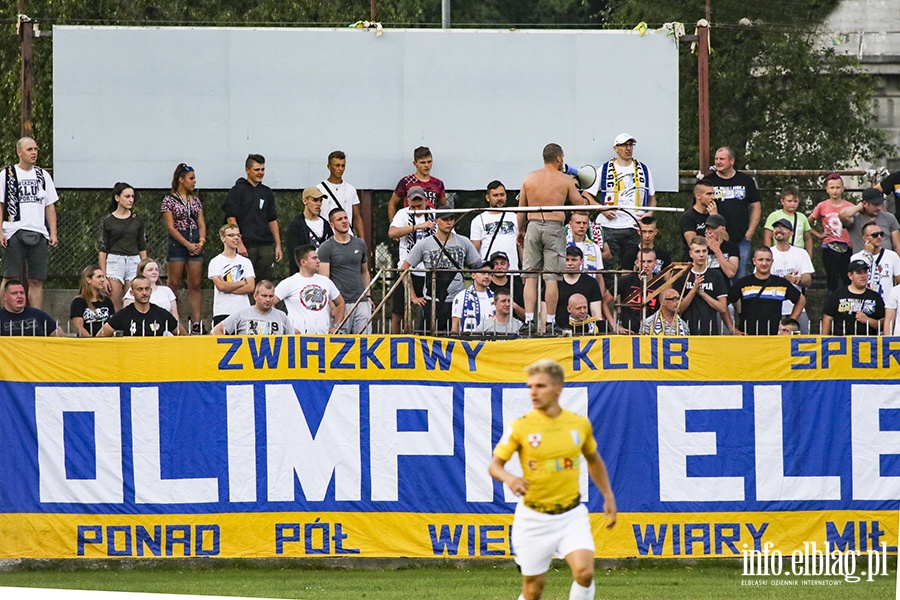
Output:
(778, 95)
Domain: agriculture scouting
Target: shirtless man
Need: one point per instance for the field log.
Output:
(543, 234)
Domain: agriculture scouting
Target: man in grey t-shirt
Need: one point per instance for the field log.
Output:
(344, 260)
(445, 250)
(259, 319)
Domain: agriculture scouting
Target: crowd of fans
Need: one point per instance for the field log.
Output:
(588, 269)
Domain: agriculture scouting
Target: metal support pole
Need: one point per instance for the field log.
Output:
(703, 92)
(26, 39)
(445, 14)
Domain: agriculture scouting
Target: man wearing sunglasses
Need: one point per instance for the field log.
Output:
(884, 264)
(870, 210)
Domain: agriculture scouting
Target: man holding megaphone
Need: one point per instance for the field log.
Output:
(624, 182)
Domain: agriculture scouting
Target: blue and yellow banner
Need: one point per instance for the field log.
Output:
(378, 446)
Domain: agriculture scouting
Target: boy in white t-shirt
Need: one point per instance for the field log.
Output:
(313, 302)
(231, 274)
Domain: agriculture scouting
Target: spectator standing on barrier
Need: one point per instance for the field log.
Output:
(793, 264)
(737, 199)
(447, 251)
(502, 280)
(884, 265)
(475, 304)
(309, 228)
(550, 519)
(723, 255)
(761, 295)
(340, 194)
(91, 308)
(344, 259)
(313, 302)
(260, 319)
(250, 204)
(20, 320)
(543, 233)
(631, 315)
(870, 210)
(854, 309)
(142, 318)
(182, 214)
(496, 231)
(835, 239)
(502, 322)
(160, 295)
(435, 194)
(625, 183)
(703, 293)
(693, 221)
(648, 231)
(790, 203)
(123, 242)
(576, 281)
(29, 220)
(233, 275)
(666, 321)
(408, 229)
(890, 186)
(576, 235)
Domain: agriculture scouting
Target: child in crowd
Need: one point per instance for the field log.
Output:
(790, 202)
(835, 239)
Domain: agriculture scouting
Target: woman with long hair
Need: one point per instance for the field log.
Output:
(92, 307)
(182, 214)
(160, 295)
(123, 242)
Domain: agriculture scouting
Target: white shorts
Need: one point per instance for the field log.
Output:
(538, 537)
(122, 268)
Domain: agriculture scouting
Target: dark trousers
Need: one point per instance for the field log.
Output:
(836, 265)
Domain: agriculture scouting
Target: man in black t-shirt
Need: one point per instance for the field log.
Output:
(737, 199)
(140, 319)
(724, 256)
(501, 280)
(631, 317)
(854, 309)
(693, 221)
(890, 185)
(703, 292)
(761, 296)
(575, 281)
(649, 231)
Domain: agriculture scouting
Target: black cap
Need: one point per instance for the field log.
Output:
(857, 266)
(873, 196)
(783, 223)
(499, 254)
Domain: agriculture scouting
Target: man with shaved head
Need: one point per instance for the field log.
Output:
(28, 199)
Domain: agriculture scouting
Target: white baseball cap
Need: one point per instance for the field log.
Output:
(624, 137)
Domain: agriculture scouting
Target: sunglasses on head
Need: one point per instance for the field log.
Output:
(183, 168)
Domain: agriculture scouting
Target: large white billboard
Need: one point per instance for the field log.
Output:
(130, 103)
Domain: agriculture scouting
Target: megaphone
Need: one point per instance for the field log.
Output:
(586, 176)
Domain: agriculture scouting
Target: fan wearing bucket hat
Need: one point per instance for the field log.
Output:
(626, 182)
(853, 309)
(870, 210)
